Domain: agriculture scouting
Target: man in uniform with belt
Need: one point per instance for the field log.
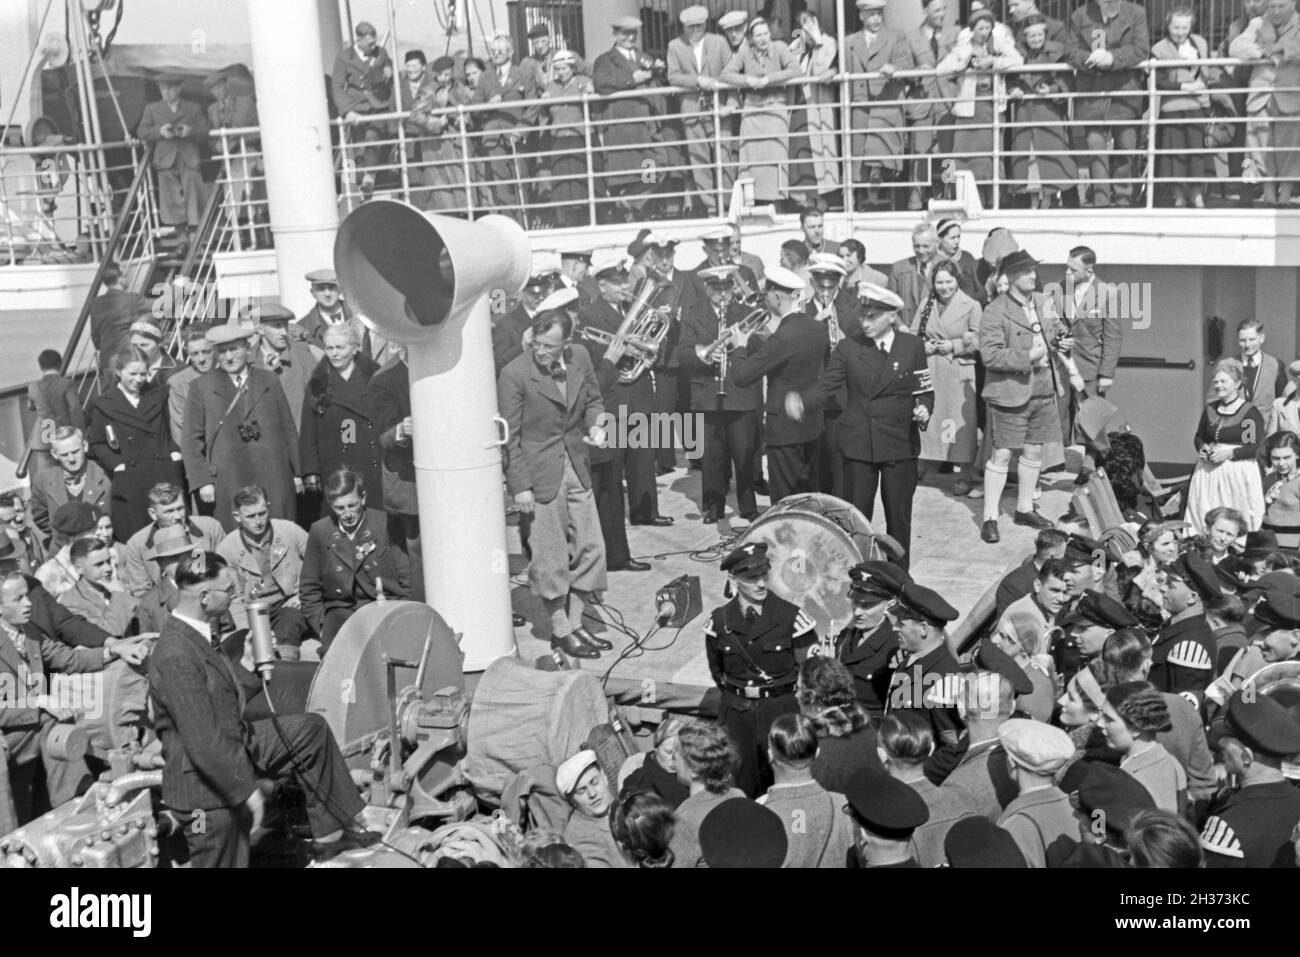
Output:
(869, 644)
(755, 644)
(1183, 654)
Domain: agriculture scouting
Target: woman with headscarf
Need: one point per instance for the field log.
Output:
(761, 67)
(1041, 166)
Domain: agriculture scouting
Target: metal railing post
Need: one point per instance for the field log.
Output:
(1153, 112)
(846, 112)
(463, 131)
(718, 175)
(996, 185)
(591, 172)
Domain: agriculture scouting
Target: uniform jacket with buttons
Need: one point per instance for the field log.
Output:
(288, 549)
(792, 360)
(911, 682)
(869, 659)
(339, 572)
(738, 648)
(700, 327)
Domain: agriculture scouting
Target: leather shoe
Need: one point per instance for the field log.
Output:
(631, 565)
(573, 646)
(592, 640)
(659, 521)
(989, 532)
(518, 620)
(710, 517)
(1033, 519)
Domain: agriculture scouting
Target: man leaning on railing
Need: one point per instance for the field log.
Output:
(362, 83)
(1273, 105)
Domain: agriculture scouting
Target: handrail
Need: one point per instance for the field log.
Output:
(83, 317)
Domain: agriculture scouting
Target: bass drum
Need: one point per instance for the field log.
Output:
(812, 541)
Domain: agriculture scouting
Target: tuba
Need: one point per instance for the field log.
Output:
(642, 331)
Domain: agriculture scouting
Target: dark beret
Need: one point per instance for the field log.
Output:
(978, 842)
(443, 63)
(742, 833)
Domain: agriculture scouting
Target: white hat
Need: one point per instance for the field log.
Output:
(736, 18)
(570, 772)
(659, 239)
(723, 235)
(784, 278)
(694, 16)
(544, 263)
(563, 56)
(560, 299)
(826, 262)
(869, 292)
(607, 262)
(1037, 746)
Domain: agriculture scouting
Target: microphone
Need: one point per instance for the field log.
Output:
(263, 639)
(667, 608)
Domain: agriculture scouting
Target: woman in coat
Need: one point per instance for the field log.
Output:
(814, 132)
(1184, 107)
(339, 427)
(979, 50)
(1041, 165)
(948, 323)
(131, 440)
(760, 67)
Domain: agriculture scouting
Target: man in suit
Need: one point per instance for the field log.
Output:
(541, 55)
(330, 310)
(729, 412)
(505, 128)
(389, 396)
(238, 416)
(111, 315)
(290, 360)
(1020, 342)
(166, 508)
(791, 360)
(508, 330)
(551, 402)
(633, 169)
(349, 561)
(910, 278)
(28, 657)
(928, 44)
(624, 399)
(76, 479)
(889, 401)
(54, 399)
(1265, 376)
(1098, 333)
(362, 83)
(231, 111)
(214, 757)
(177, 129)
(877, 130)
(696, 60)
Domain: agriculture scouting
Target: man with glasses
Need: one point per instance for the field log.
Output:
(868, 645)
(755, 644)
(77, 479)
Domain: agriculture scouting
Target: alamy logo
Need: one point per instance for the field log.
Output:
(1128, 302)
(653, 430)
(76, 910)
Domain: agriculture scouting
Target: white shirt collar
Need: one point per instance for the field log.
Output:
(202, 627)
(886, 342)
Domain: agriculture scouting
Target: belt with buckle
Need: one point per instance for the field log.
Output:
(758, 692)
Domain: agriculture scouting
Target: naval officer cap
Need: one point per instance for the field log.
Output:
(1036, 746)
(732, 20)
(927, 604)
(885, 805)
(826, 263)
(694, 16)
(718, 275)
(568, 774)
(743, 833)
(581, 255)
(717, 237)
(1262, 723)
(748, 561)
(874, 298)
(778, 277)
(564, 298)
(871, 4)
(610, 267)
(660, 241)
(1098, 608)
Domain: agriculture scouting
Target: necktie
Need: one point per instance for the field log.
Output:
(557, 372)
(751, 614)
(934, 46)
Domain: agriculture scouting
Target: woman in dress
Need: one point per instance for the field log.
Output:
(948, 323)
(1041, 166)
(761, 66)
(1282, 488)
(338, 422)
(979, 49)
(1227, 440)
(131, 440)
(1184, 107)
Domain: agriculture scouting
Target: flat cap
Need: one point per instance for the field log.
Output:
(74, 518)
(989, 657)
(718, 275)
(560, 299)
(743, 833)
(1259, 544)
(694, 16)
(1037, 746)
(1263, 724)
(146, 327)
(230, 332)
(538, 30)
(826, 263)
(1279, 607)
(1098, 608)
(583, 255)
(169, 542)
(443, 63)
(1197, 573)
(627, 23)
(884, 804)
(978, 842)
(749, 559)
(782, 278)
(927, 603)
(325, 277)
(1118, 795)
(570, 772)
(271, 312)
(607, 266)
(733, 19)
(878, 298)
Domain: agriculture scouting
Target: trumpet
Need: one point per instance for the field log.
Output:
(753, 321)
(641, 333)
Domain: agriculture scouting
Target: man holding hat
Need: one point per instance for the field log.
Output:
(1042, 812)
(885, 813)
(696, 60)
(330, 310)
(791, 360)
(1183, 654)
(918, 617)
(868, 645)
(877, 130)
(508, 330)
(239, 431)
(633, 169)
(889, 402)
(1021, 342)
(177, 130)
(754, 645)
(835, 306)
(729, 411)
(1253, 825)
(291, 360)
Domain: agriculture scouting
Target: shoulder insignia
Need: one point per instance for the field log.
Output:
(1219, 838)
(1190, 654)
(803, 624)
